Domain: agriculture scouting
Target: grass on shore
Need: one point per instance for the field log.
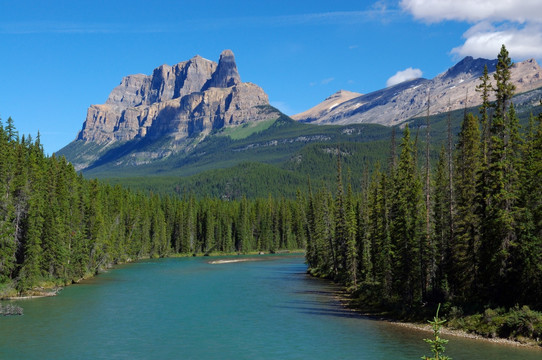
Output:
(519, 323)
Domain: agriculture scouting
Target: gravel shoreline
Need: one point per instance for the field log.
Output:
(343, 299)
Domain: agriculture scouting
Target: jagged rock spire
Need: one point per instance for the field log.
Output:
(226, 74)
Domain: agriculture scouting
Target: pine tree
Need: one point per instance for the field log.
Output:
(498, 221)
(527, 256)
(11, 132)
(437, 344)
(341, 241)
(364, 241)
(244, 235)
(30, 273)
(379, 232)
(427, 253)
(8, 246)
(485, 88)
(467, 241)
(441, 236)
(323, 236)
(351, 244)
(299, 221)
(311, 251)
(408, 225)
(504, 88)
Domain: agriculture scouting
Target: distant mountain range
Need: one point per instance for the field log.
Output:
(198, 116)
(451, 90)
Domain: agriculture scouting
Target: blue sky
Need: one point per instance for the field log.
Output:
(59, 57)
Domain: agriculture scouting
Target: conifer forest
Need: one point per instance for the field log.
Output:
(57, 227)
(467, 231)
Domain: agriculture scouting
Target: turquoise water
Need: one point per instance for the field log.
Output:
(186, 308)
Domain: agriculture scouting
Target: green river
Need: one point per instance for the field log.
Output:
(187, 308)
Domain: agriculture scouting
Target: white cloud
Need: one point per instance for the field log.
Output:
(473, 11)
(519, 24)
(404, 75)
(485, 41)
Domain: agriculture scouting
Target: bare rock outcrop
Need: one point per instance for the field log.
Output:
(326, 106)
(451, 90)
(190, 98)
(226, 74)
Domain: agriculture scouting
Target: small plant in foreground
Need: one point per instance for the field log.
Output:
(437, 344)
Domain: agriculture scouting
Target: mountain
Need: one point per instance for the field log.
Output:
(178, 105)
(327, 105)
(451, 90)
(243, 146)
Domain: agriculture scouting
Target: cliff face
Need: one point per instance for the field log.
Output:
(451, 90)
(190, 98)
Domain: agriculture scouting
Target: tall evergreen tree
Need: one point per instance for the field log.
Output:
(498, 222)
(341, 231)
(351, 243)
(441, 236)
(408, 225)
(485, 89)
(467, 241)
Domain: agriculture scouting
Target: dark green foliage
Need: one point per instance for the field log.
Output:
(474, 239)
(275, 161)
(519, 323)
(407, 229)
(440, 251)
(466, 245)
(56, 227)
(278, 145)
(500, 188)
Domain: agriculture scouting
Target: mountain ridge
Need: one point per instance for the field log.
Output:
(182, 102)
(173, 101)
(451, 90)
(160, 123)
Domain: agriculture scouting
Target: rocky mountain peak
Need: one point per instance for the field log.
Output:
(325, 107)
(190, 98)
(226, 74)
(342, 94)
(451, 90)
(470, 67)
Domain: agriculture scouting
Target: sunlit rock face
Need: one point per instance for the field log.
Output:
(191, 97)
(451, 90)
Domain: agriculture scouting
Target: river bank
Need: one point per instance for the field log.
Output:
(166, 307)
(52, 288)
(346, 300)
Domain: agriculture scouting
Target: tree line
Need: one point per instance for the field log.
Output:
(467, 232)
(57, 227)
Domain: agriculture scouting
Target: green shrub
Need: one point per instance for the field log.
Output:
(523, 322)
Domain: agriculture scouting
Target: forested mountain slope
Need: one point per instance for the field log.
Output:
(166, 151)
